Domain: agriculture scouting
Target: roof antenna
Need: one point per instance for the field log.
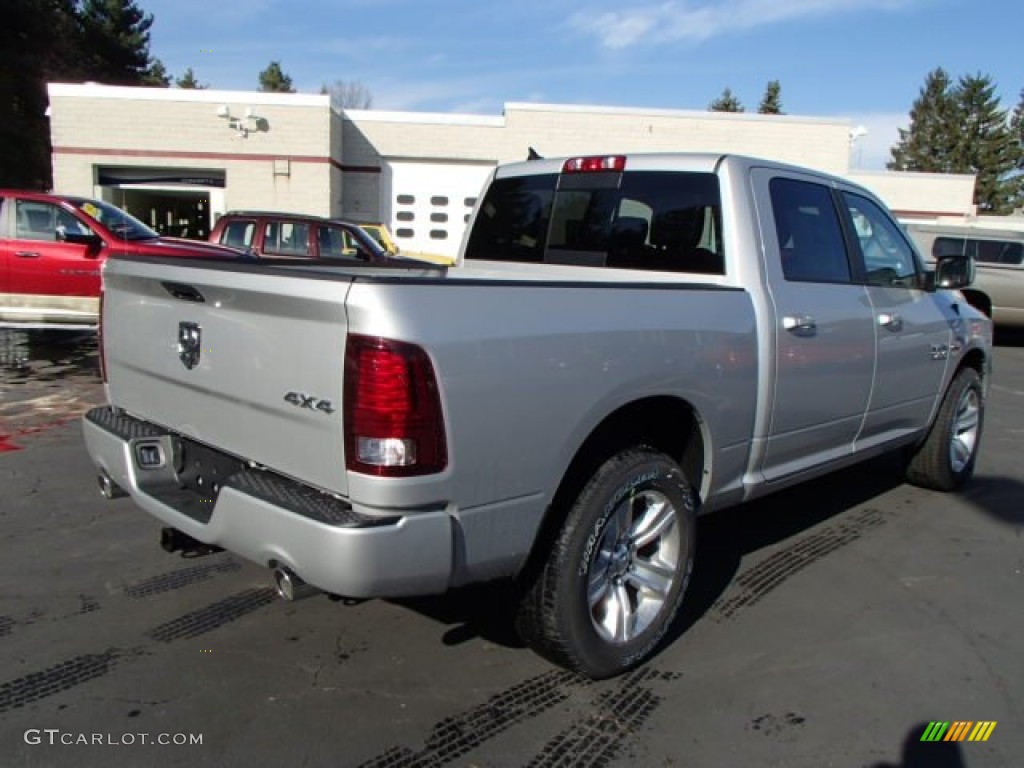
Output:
(534, 155)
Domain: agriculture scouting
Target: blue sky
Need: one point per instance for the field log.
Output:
(861, 59)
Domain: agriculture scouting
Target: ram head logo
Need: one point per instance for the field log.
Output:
(189, 344)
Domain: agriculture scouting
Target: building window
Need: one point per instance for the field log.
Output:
(438, 234)
(469, 202)
(406, 199)
(404, 233)
(440, 218)
(405, 216)
(439, 200)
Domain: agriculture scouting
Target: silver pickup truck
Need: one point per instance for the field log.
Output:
(625, 342)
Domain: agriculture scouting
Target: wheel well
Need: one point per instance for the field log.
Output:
(974, 359)
(979, 301)
(667, 424)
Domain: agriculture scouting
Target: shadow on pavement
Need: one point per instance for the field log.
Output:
(725, 537)
(997, 497)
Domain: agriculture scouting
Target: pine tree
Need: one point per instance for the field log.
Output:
(115, 43)
(727, 102)
(771, 102)
(274, 80)
(188, 80)
(985, 144)
(156, 75)
(38, 44)
(962, 129)
(928, 144)
(1017, 131)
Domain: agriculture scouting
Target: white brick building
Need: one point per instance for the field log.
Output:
(178, 158)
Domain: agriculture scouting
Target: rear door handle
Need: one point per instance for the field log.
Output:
(27, 254)
(800, 325)
(891, 320)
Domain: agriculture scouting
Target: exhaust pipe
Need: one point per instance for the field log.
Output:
(108, 488)
(172, 540)
(290, 587)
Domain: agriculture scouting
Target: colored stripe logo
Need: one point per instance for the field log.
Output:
(958, 730)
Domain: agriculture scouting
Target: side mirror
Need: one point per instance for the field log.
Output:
(91, 240)
(952, 273)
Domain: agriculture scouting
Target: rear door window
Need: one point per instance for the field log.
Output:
(647, 220)
(810, 237)
(35, 221)
(286, 238)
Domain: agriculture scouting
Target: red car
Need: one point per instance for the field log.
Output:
(271, 235)
(52, 248)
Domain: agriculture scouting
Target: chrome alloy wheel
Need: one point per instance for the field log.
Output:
(634, 566)
(966, 426)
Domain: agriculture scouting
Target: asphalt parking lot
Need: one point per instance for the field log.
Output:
(826, 626)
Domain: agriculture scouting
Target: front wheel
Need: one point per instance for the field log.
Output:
(615, 577)
(945, 460)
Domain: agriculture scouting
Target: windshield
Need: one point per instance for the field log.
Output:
(121, 224)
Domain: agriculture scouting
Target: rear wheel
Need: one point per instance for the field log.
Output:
(945, 460)
(615, 577)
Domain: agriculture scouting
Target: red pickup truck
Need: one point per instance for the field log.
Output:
(51, 250)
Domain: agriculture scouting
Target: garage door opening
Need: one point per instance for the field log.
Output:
(176, 203)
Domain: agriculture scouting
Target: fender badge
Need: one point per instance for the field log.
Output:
(313, 403)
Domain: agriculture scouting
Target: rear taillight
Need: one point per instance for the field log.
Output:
(595, 164)
(393, 421)
(99, 342)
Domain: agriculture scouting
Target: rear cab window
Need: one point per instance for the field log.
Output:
(645, 220)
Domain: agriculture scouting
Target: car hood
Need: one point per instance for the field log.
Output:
(177, 246)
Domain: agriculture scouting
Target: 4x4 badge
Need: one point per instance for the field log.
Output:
(189, 344)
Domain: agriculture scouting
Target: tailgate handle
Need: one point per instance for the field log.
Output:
(184, 292)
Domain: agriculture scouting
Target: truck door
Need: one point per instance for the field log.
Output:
(41, 263)
(913, 327)
(824, 334)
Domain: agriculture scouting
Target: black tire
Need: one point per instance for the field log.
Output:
(945, 460)
(613, 580)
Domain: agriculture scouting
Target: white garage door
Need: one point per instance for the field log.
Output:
(426, 205)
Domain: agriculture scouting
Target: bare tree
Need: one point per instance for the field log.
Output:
(348, 94)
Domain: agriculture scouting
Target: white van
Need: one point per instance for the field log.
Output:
(998, 253)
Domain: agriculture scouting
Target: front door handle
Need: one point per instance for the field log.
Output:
(800, 325)
(891, 320)
(27, 254)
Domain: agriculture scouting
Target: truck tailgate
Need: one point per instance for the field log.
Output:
(249, 361)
